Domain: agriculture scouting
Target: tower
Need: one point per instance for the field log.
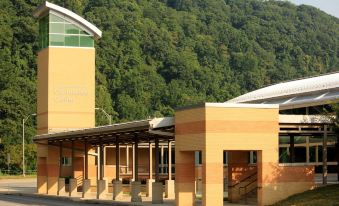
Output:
(66, 82)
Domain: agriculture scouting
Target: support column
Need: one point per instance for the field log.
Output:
(150, 166)
(169, 184)
(136, 185)
(127, 159)
(184, 178)
(162, 160)
(117, 184)
(292, 154)
(133, 162)
(101, 184)
(212, 177)
(98, 163)
(86, 184)
(73, 181)
(61, 181)
(325, 156)
(157, 192)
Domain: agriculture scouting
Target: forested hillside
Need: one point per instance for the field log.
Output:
(157, 55)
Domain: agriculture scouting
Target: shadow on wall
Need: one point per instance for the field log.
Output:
(279, 182)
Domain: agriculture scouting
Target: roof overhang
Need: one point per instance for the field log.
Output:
(307, 92)
(126, 132)
(47, 6)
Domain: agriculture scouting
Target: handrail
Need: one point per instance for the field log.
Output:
(241, 181)
(247, 192)
(247, 186)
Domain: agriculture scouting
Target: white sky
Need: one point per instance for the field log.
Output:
(328, 6)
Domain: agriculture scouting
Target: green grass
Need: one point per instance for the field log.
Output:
(16, 176)
(324, 196)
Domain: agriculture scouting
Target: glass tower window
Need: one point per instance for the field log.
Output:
(57, 31)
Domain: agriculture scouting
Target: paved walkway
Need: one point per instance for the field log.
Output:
(23, 192)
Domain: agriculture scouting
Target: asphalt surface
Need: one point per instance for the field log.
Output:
(11, 200)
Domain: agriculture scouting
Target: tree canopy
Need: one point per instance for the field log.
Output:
(158, 55)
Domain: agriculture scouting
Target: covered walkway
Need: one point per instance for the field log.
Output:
(89, 173)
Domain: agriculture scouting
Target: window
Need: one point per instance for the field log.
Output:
(55, 30)
(225, 157)
(66, 161)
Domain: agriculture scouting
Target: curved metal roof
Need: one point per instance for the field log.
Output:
(46, 6)
(295, 94)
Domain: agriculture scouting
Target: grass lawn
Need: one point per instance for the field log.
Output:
(326, 196)
(2, 177)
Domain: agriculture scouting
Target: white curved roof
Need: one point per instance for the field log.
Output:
(46, 6)
(294, 94)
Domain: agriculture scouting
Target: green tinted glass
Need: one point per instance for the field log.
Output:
(54, 18)
(72, 41)
(57, 28)
(83, 32)
(71, 29)
(56, 31)
(86, 41)
(43, 32)
(56, 40)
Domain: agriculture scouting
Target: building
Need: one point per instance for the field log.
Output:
(266, 144)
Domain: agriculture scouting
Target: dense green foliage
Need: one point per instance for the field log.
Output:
(157, 55)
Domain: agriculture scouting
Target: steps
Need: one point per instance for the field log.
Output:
(249, 199)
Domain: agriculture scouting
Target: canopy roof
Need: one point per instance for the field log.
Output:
(47, 6)
(144, 130)
(296, 94)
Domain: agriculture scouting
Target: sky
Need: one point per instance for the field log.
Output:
(328, 6)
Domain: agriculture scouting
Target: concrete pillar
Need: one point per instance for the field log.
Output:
(117, 190)
(42, 169)
(73, 187)
(149, 187)
(117, 160)
(150, 180)
(73, 159)
(61, 186)
(212, 177)
(150, 162)
(52, 170)
(169, 160)
(135, 185)
(162, 160)
(60, 158)
(127, 159)
(169, 189)
(135, 192)
(86, 160)
(184, 178)
(157, 193)
(98, 163)
(169, 184)
(156, 159)
(86, 188)
(102, 164)
(267, 166)
(133, 162)
(101, 189)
